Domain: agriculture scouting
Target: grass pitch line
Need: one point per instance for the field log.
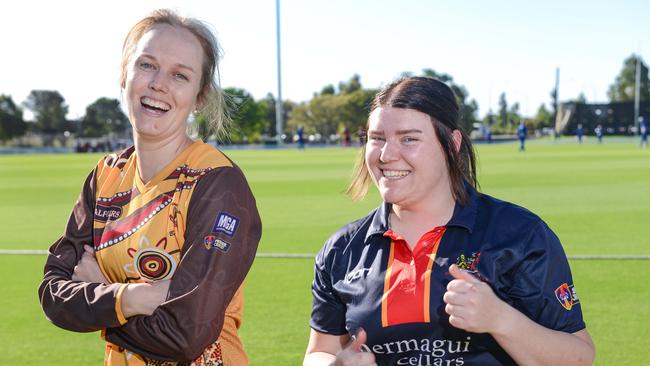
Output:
(311, 255)
(259, 255)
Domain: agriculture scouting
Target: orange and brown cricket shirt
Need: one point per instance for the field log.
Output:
(196, 223)
(366, 275)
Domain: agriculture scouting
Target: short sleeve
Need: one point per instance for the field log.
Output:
(543, 287)
(328, 311)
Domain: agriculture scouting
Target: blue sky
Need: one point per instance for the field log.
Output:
(490, 47)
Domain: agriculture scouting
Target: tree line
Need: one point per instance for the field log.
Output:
(330, 111)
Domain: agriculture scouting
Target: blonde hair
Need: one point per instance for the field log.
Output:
(211, 98)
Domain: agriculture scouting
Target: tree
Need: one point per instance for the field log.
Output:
(329, 113)
(11, 119)
(503, 110)
(248, 116)
(322, 114)
(543, 118)
(202, 126)
(102, 117)
(355, 107)
(489, 119)
(49, 109)
(513, 114)
(268, 103)
(328, 89)
(514, 111)
(623, 88)
(351, 85)
(468, 107)
(508, 117)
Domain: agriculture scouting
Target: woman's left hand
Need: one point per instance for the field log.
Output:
(471, 303)
(87, 270)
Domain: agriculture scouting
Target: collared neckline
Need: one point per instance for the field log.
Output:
(463, 216)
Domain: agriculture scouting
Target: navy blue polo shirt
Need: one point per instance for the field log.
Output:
(366, 276)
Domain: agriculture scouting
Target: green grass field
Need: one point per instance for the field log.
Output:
(596, 198)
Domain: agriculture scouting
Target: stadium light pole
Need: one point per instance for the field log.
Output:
(278, 100)
(556, 101)
(637, 85)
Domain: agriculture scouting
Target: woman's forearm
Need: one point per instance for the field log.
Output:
(143, 298)
(529, 343)
(319, 359)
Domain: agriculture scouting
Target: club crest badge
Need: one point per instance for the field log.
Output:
(567, 296)
(208, 241)
(469, 263)
(225, 223)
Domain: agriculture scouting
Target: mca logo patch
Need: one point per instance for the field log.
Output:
(226, 224)
(567, 296)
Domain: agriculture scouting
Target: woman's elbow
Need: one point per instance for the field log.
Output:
(193, 344)
(591, 355)
(588, 351)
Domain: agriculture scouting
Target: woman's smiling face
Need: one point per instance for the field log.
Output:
(163, 81)
(405, 158)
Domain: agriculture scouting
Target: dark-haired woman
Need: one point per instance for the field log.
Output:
(439, 274)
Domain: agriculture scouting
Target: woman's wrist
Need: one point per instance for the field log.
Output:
(129, 305)
(143, 298)
(506, 320)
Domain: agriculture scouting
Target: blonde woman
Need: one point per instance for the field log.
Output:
(159, 242)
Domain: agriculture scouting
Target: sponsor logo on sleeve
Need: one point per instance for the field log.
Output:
(567, 296)
(212, 241)
(225, 223)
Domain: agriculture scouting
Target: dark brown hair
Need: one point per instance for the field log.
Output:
(435, 99)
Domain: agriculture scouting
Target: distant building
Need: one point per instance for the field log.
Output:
(616, 118)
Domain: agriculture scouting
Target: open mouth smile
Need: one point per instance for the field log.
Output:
(395, 174)
(154, 105)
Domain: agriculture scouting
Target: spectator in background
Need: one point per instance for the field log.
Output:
(361, 135)
(301, 137)
(579, 133)
(346, 136)
(599, 133)
(522, 133)
(488, 133)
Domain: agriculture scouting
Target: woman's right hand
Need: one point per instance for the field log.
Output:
(352, 355)
(329, 350)
(143, 298)
(87, 270)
